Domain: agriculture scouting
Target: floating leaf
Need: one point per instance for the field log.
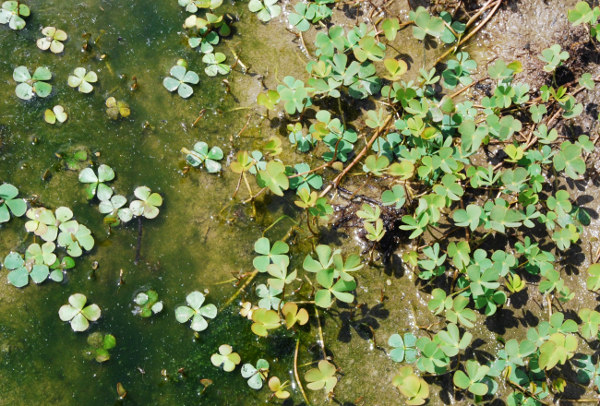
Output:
(78, 315)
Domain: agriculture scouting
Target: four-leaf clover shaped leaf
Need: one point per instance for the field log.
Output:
(12, 13)
(265, 9)
(322, 377)
(9, 203)
(52, 40)
(114, 210)
(215, 64)
(29, 85)
(20, 271)
(269, 254)
(200, 154)
(81, 79)
(78, 315)
(96, 186)
(74, 236)
(179, 79)
(148, 203)
(196, 311)
(225, 358)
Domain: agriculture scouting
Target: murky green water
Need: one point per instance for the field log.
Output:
(188, 247)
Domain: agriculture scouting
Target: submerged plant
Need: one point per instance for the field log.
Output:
(99, 346)
(256, 375)
(225, 358)
(52, 40)
(95, 181)
(78, 315)
(29, 85)
(200, 154)
(9, 203)
(57, 113)
(147, 303)
(179, 79)
(12, 13)
(148, 203)
(82, 80)
(116, 108)
(195, 311)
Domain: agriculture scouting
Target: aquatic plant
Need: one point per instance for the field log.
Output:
(265, 9)
(412, 386)
(77, 314)
(192, 6)
(293, 315)
(96, 182)
(100, 345)
(215, 64)
(52, 40)
(269, 254)
(264, 320)
(20, 271)
(44, 223)
(75, 237)
(57, 113)
(196, 312)
(225, 358)
(82, 80)
(9, 203)
(322, 377)
(278, 388)
(147, 303)
(255, 375)
(116, 108)
(13, 13)
(201, 155)
(114, 210)
(32, 85)
(147, 204)
(179, 79)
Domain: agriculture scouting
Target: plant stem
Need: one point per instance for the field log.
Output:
(469, 35)
(358, 157)
(296, 372)
(241, 289)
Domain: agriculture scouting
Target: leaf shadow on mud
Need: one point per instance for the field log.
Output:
(364, 323)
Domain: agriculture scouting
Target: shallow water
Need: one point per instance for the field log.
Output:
(188, 247)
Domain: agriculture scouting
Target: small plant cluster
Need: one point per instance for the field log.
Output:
(36, 85)
(145, 205)
(205, 28)
(255, 374)
(57, 229)
(423, 145)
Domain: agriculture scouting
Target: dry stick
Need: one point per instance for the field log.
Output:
(241, 289)
(336, 181)
(296, 372)
(468, 36)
